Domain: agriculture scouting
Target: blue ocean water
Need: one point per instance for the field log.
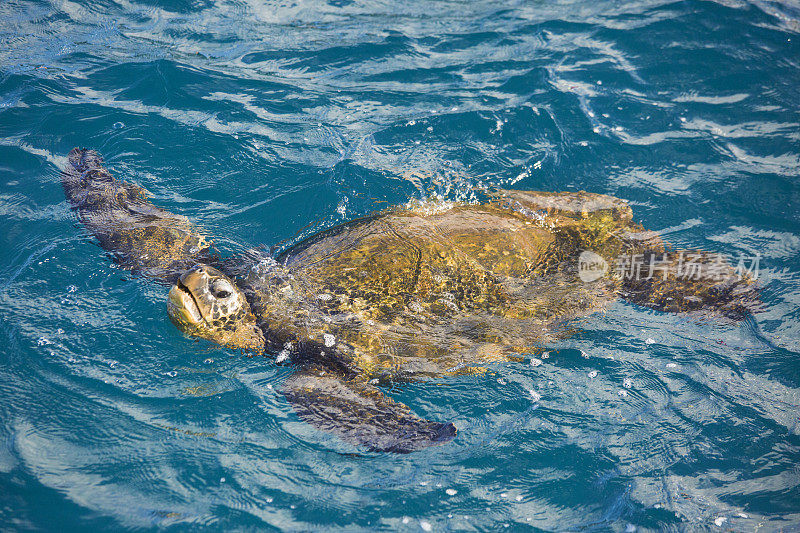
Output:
(265, 122)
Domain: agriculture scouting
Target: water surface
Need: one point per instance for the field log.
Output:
(266, 122)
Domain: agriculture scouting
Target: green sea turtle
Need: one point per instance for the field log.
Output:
(427, 290)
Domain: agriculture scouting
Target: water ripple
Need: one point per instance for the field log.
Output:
(266, 122)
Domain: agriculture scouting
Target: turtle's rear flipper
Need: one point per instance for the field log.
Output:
(686, 281)
(577, 205)
(360, 414)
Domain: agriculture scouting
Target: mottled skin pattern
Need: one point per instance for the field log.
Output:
(431, 290)
(142, 237)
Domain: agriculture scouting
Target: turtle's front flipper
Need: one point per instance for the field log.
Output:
(140, 236)
(360, 414)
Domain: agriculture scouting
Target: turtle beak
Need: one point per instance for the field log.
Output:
(182, 307)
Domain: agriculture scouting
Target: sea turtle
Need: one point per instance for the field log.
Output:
(426, 290)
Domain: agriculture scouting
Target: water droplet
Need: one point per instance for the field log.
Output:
(627, 383)
(171, 373)
(118, 125)
(593, 374)
(622, 393)
(406, 520)
(269, 500)
(425, 525)
(518, 498)
(536, 362)
(222, 480)
(501, 381)
(504, 495)
(208, 361)
(423, 483)
(43, 341)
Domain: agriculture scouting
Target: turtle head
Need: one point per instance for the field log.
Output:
(206, 303)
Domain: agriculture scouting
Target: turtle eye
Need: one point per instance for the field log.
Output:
(222, 289)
